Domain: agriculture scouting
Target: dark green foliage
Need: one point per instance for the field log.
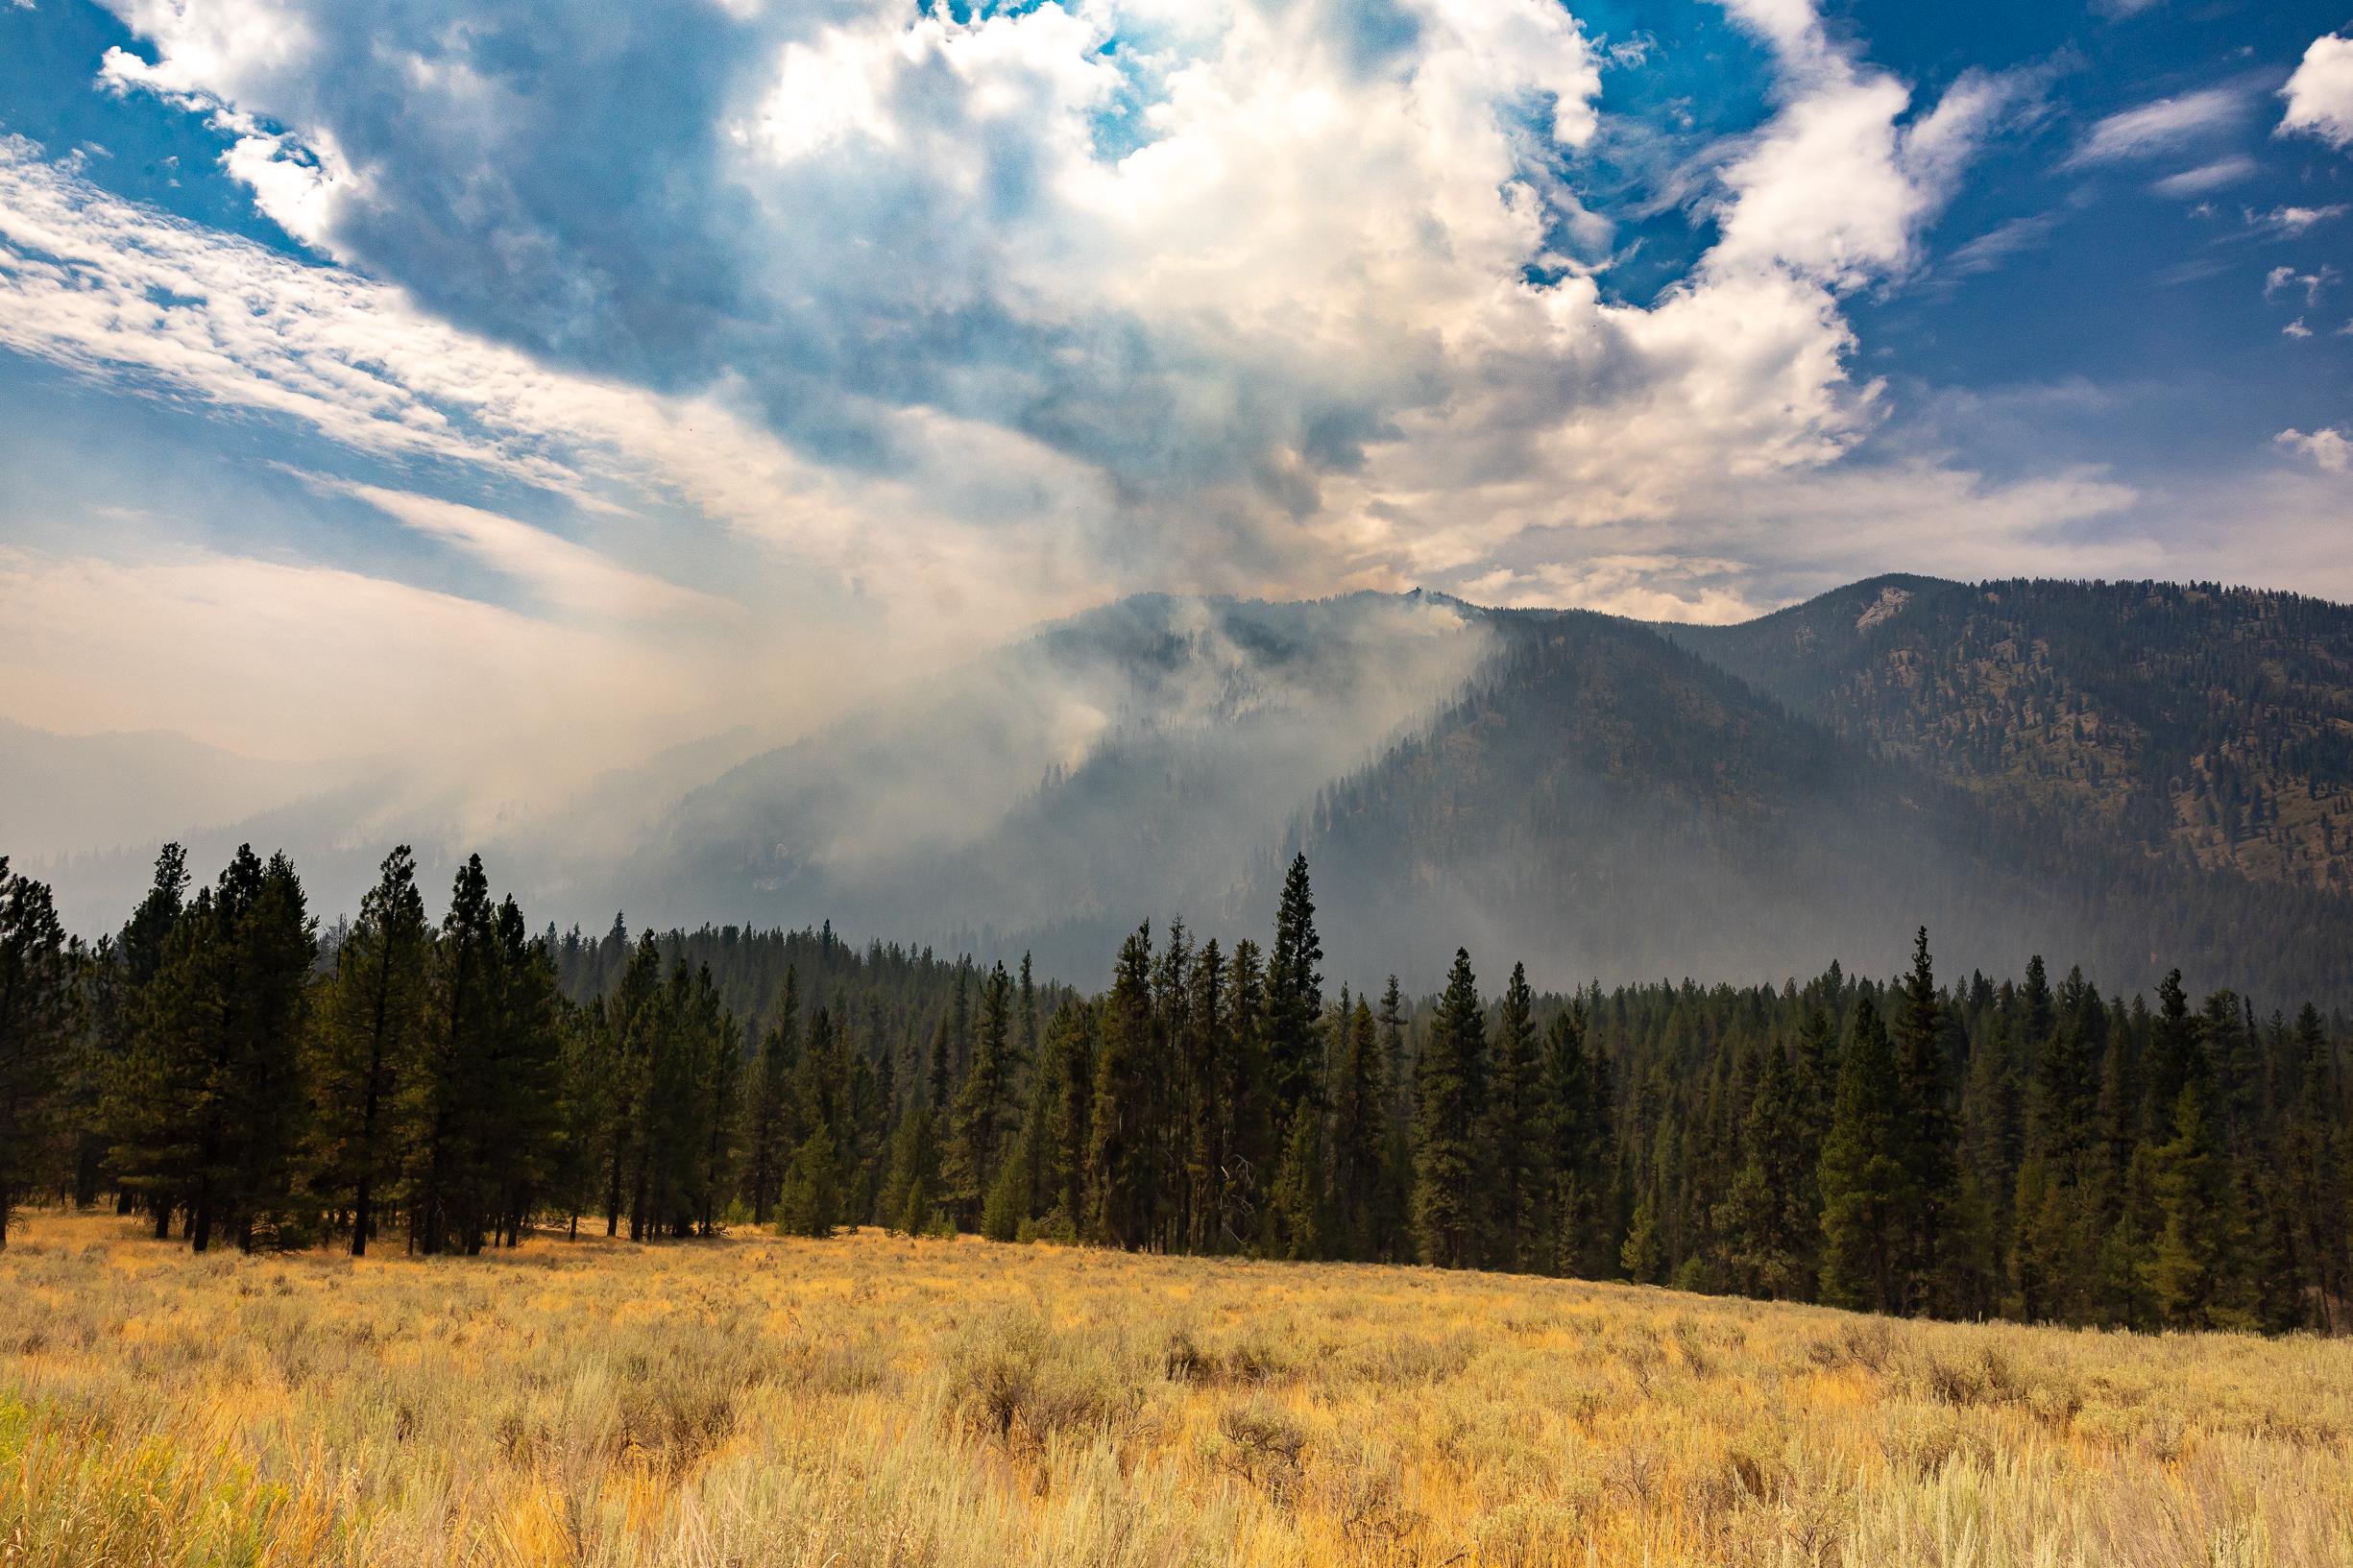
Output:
(207, 1108)
(1294, 994)
(1516, 1126)
(770, 1108)
(1971, 1148)
(1123, 1170)
(1449, 1101)
(370, 1028)
(910, 1178)
(1360, 1139)
(37, 1003)
(810, 1201)
(1866, 1191)
(986, 1107)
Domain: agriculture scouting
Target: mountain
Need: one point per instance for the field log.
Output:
(1607, 801)
(1135, 761)
(2126, 776)
(2216, 723)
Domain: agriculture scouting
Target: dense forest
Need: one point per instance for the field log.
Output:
(2019, 1149)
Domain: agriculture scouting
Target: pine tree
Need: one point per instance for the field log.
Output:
(37, 1008)
(371, 1027)
(810, 1201)
(1065, 1101)
(1360, 1137)
(768, 1139)
(1297, 1202)
(910, 1182)
(2186, 1265)
(1449, 1218)
(116, 987)
(447, 1181)
(1518, 1173)
(1577, 1096)
(1863, 1180)
(1294, 994)
(207, 1107)
(1121, 1183)
(1766, 1213)
(985, 1109)
(1923, 1140)
(524, 1120)
(2315, 1189)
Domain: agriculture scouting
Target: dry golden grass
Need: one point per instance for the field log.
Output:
(874, 1400)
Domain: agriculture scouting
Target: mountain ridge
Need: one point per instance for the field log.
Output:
(1599, 795)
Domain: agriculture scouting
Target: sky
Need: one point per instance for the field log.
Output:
(529, 387)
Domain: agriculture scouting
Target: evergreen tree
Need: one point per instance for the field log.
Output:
(1864, 1196)
(810, 1201)
(1064, 1111)
(1294, 994)
(1924, 1141)
(1297, 1202)
(1766, 1209)
(1122, 1181)
(985, 1109)
(371, 1027)
(768, 1139)
(1449, 1216)
(1360, 1137)
(38, 1006)
(1577, 1096)
(1518, 1173)
(910, 1182)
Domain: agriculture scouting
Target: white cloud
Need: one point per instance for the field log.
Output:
(1236, 305)
(2295, 329)
(2310, 284)
(1644, 586)
(565, 576)
(111, 288)
(2206, 177)
(2159, 126)
(2329, 448)
(2292, 221)
(2320, 93)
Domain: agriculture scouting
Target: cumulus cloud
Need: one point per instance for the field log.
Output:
(978, 315)
(2327, 448)
(2320, 93)
(1214, 295)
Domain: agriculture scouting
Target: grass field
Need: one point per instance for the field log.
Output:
(876, 1399)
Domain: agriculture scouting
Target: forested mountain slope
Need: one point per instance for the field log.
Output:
(2141, 775)
(2217, 722)
(1606, 801)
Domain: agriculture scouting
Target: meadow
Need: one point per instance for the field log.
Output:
(876, 1399)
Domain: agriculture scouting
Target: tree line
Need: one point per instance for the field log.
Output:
(2022, 1148)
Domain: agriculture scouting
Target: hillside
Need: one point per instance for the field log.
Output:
(871, 1401)
(2215, 722)
(1607, 801)
(2134, 775)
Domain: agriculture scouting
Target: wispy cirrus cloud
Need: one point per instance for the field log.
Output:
(2159, 126)
(2206, 177)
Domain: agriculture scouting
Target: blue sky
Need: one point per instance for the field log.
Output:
(537, 384)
